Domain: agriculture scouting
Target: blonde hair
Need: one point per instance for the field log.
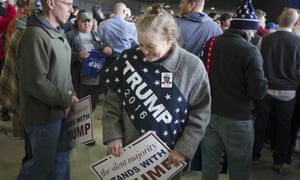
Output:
(159, 21)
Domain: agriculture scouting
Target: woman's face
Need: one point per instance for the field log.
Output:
(85, 25)
(153, 45)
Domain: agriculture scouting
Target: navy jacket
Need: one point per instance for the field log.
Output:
(236, 76)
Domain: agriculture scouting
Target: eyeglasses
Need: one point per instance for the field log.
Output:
(68, 4)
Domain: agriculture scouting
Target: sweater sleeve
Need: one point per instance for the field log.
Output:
(257, 83)
(198, 116)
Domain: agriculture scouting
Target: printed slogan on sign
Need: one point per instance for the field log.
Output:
(79, 122)
(144, 159)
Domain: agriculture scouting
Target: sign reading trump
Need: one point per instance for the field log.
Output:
(79, 123)
(145, 159)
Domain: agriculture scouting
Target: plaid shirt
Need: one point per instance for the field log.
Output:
(9, 89)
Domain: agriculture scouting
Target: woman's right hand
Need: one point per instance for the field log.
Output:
(84, 54)
(115, 147)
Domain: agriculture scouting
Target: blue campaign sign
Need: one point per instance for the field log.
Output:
(93, 64)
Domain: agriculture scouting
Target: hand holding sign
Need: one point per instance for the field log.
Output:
(115, 147)
(145, 158)
(176, 158)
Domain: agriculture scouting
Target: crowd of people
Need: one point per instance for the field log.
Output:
(205, 86)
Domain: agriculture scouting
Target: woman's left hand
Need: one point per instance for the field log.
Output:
(107, 51)
(175, 157)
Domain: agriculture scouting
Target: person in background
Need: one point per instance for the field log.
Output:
(261, 17)
(2, 8)
(82, 40)
(225, 20)
(8, 81)
(195, 26)
(22, 11)
(296, 28)
(237, 80)
(118, 33)
(129, 17)
(261, 31)
(46, 91)
(272, 27)
(98, 16)
(185, 99)
(280, 51)
(296, 115)
(4, 21)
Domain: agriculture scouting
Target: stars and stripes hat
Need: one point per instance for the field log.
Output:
(245, 17)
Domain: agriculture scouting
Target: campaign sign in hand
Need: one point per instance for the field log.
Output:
(145, 158)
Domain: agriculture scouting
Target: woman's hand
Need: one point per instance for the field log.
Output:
(115, 147)
(175, 157)
(84, 54)
(107, 51)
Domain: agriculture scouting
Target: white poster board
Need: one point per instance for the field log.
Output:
(79, 123)
(145, 158)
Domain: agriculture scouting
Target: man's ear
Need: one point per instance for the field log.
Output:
(50, 3)
(192, 6)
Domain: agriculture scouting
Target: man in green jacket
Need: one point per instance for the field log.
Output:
(46, 91)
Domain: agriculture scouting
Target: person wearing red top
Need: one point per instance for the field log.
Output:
(4, 21)
(261, 17)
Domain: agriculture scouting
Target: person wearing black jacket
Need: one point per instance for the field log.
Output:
(281, 54)
(237, 80)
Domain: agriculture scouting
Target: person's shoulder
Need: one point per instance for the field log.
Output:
(34, 30)
(105, 23)
(34, 33)
(188, 59)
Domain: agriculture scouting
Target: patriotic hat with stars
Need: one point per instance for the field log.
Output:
(245, 17)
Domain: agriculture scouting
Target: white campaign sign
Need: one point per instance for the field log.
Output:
(144, 159)
(79, 122)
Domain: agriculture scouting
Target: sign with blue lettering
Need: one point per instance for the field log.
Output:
(92, 65)
(79, 122)
(145, 158)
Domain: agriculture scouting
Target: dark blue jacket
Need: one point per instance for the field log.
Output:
(236, 76)
(281, 54)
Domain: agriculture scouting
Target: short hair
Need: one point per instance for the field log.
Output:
(225, 16)
(22, 3)
(96, 9)
(288, 17)
(157, 20)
